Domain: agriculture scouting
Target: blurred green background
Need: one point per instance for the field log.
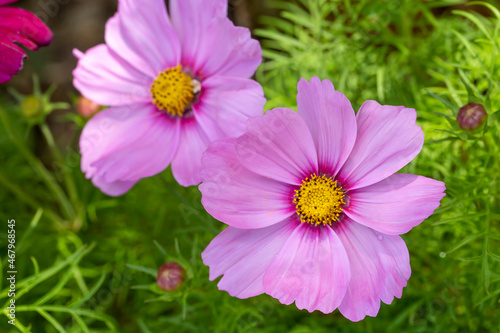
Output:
(88, 263)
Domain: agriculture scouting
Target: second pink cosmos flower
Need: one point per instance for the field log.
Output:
(173, 85)
(314, 206)
(18, 26)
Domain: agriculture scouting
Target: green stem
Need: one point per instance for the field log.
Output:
(68, 179)
(54, 308)
(46, 176)
(26, 198)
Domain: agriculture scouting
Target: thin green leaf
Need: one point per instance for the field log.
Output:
(90, 294)
(51, 320)
(146, 270)
(465, 241)
(449, 105)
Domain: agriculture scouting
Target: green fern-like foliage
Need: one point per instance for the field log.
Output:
(64, 303)
(369, 49)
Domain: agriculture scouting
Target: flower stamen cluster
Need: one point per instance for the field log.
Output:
(319, 200)
(173, 91)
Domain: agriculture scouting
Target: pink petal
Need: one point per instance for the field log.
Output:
(191, 19)
(18, 26)
(380, 268)
(10, 37)
(278, 145)
(11, 61)
(243, 256)
(193, 142)
(331, 119)
(228, 50)
(388, 139)
(226, 103)
(237, 196)
(149, 44)
(311, 269)
(4, 77)
(396, 204)
(107, 79)
(113, 189)
(127, 144)
(24, 27)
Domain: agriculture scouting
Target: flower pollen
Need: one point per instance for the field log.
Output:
(173, 91)
(319, 200)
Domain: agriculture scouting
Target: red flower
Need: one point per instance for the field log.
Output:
(21, 27)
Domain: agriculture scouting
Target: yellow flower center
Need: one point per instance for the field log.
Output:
(319, 200)
(173, 91)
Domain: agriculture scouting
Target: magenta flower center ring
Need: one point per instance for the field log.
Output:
(319, 200)
(173, 91)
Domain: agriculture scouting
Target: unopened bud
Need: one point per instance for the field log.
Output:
(170, 276)
(471, 116)
(87, 108)
(31, 107)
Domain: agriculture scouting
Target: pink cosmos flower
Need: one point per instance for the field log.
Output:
(18, 26)
(313, 205)
(174, 85)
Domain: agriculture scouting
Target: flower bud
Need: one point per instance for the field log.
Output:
(87, 108)
(170, 276)
(471, 116)
(31, 107)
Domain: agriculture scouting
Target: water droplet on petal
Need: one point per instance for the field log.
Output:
(380, 237)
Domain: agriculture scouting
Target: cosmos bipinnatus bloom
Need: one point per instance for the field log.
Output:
(471, 116)
(170, 276)
(314, 204)
(174, 82)
(18, 26)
